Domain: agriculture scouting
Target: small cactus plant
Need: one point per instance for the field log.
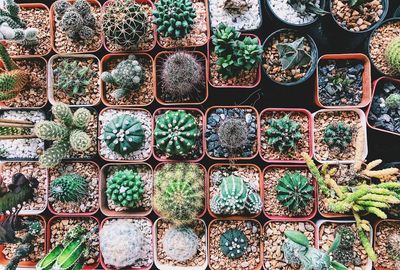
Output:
(393, 54)
(233, 134)
(180, 243)
(13, 131)
(69, 188)
(292, 54)
(393, 101)
(393, 246)
(233, 243)
(338, 135)
(345, 251)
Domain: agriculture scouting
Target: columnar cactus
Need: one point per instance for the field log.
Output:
(292, 54)
(69, 188)
(233, 243)
(283, 134)
(338, 135)
(180, 243)
(393, 54)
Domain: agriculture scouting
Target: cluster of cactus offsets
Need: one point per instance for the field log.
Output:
(176, 133)
(283, 134)
(338, 135)
(344, 253)
(72, 78)
(295, 192)
(13, 28)
(125, 23)
(233, 133)
(174, 18)
(393, 54)
(122, 243)
(67, 132)
(393, 101)
(233, 243)
(13, 79)
(292, 54)
(235, 197)
(125, 188)
(306, 7)
(180, 243)
(127, 76)
(77, 20)
(179, 192)
(69, 188)
(124, 134)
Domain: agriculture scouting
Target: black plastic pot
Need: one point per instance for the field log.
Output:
(397, 12)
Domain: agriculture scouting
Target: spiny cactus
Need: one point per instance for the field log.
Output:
(344, 253)
(306, 7)
(393, 246)
(294, 192)
(233, 133)
(127, 76)
(283, 134)
(125, 188)
(180, 243)
(233, 243)
(179, 192)
(393, 101)
(338, 135)
(124, 134)
(69, 188)
(292, 54)
(174, 18)
(393, 54)
(176, 133)
(13, 131)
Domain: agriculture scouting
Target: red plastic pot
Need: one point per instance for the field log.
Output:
(376, 266)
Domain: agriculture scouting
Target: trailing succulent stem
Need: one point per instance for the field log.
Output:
(293, 54)
(69, 188)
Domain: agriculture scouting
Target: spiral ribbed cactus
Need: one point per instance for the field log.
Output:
(233, 243)
(69, 188)
(393, 54)
(338, 135)
(283, 134)
(180, 243)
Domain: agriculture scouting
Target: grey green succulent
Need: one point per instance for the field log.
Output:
(233, 243)
(307, 7)
(393, 101)
(69, 188)
(338, 135)
(293, 54)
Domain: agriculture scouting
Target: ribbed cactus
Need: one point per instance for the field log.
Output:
(124, 134)
(393, 54)
(253, 203)
(174, 18)
(180, 243)
(233, 243)
(125, 188)
(283, 134)
(338, 135)
(176, 133)
(127, 76)
(292, 54)
(69, 188)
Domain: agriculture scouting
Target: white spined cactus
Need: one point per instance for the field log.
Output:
(180, 243)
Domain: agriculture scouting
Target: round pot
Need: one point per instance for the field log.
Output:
(376, 266)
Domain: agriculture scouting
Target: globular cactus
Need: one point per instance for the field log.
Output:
(253, 203)
(127, 76)
(125, 23)
(176, 133)
(81, 118)
(338, 135)
(124, 134)
(393, 54)
(233, 243)
(294, 192)
(393, 101)
(283, 134)
(180, 243)
(347, 236)
(125, 188)
(393, 246)
(179, 192)
(292, 54)
(174, 18)
(233, 134)
(69, 188)
(345, 251)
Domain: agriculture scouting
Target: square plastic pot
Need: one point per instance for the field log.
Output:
(380, 222)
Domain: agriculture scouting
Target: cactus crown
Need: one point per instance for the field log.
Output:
(233, 133)
(69, 188)
(338, 135)
(180, 243)
(283, 134)
(292, 54)
(125, 188)
(393, 246)
(393, 54)
(306, 7)
(294, 192)
(393, 101)
(174, 18)
(233, 243)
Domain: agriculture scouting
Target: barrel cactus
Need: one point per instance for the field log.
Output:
(180, 243)
(393, 54)
(233, 243)
(338, 135)
(283, 134)
(69, 188)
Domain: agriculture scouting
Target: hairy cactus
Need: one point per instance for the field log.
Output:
(233, 243)
(180, 243)
(338, 135)
(124, 134)
(125, 188)
(393, 246)
(283, 134)
(174, 18)
(176, 133)
(179, 192)
(292, 54)
(306, 7)
(127, 76)
(125, 23)
(69, 188)
(294, 192)
(393, 101)
(233, 133)
(393, 54)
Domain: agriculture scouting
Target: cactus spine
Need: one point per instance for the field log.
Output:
(69, 188)
(283, 134)
(233, 243)
(393, 54)
(180, 243)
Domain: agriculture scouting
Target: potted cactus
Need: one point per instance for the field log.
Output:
(75, 26)
(386, 244)
(126, 243)
(127, 79)
(125, 134)
(126, 189)
(121, 33)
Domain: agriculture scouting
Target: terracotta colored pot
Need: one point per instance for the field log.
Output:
(105, 59)
(53, 28)
(310, 133)
(215, 167)
(194, 112)
(104, 39)
(375, 85)
(67, 214)
(376, 266)
(148, 267)
(210, 49)
(161, 56)
(366, 79)
(103, 196)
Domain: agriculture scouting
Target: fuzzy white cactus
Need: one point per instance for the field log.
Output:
(180, 243)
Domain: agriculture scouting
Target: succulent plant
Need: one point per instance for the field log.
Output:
(176, 133)
(306, 7)
(180, 243)
(294, 192)
(338, 135)
(344, 253)
(233, 134)
(125, 188)
(69, 188)
(224, 39)
(393, 101)
(124, 134)
(393, 246)
(253, 203)
(233, 243)
(127, 76)
(236, 7)
(174, 18)
(393, 54)
(249, 53)
(283, 134)
(13, 131)
(357, 3)
(292, 54)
